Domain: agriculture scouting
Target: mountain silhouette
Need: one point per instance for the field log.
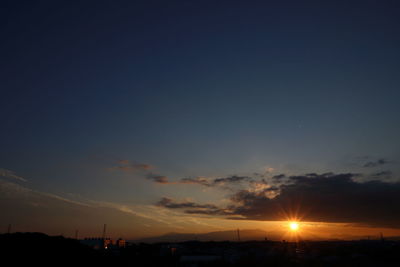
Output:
(230, 235)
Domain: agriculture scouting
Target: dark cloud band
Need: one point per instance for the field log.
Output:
(325, 197)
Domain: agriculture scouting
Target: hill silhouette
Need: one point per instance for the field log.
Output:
(41, 248)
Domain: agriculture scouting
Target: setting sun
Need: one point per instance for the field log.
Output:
(294, 226)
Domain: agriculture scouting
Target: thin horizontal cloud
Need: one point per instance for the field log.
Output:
(192, 207)
(11, 174)
(372, 164)
(208, 182)
(382, 174)
(169, 203)
(14, 190)
(129, 166)
(197, 180)
(279, 176)
(160, 179)
(232, 179)
(49, 204)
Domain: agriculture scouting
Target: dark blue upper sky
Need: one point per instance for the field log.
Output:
(196, 88)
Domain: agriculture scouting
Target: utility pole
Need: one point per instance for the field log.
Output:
(104, 231)
(238, 235)
(9, 229)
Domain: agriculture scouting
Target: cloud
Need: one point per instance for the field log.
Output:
(33, 210)
(326, 198)
(231, 179)
(382, 174)
(169, 203)
(279, 177)
(128, 166)
(315, 197)
(161, 179)
(372, 164)
(192, 207)
(11, 174)
(197, 180)
(208, 182)
(265, 172)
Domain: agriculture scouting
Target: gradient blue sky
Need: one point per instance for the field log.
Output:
(194, 88)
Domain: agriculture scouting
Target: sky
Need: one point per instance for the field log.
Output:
(199, 116)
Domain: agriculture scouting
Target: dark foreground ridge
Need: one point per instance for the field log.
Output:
(40, 248)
